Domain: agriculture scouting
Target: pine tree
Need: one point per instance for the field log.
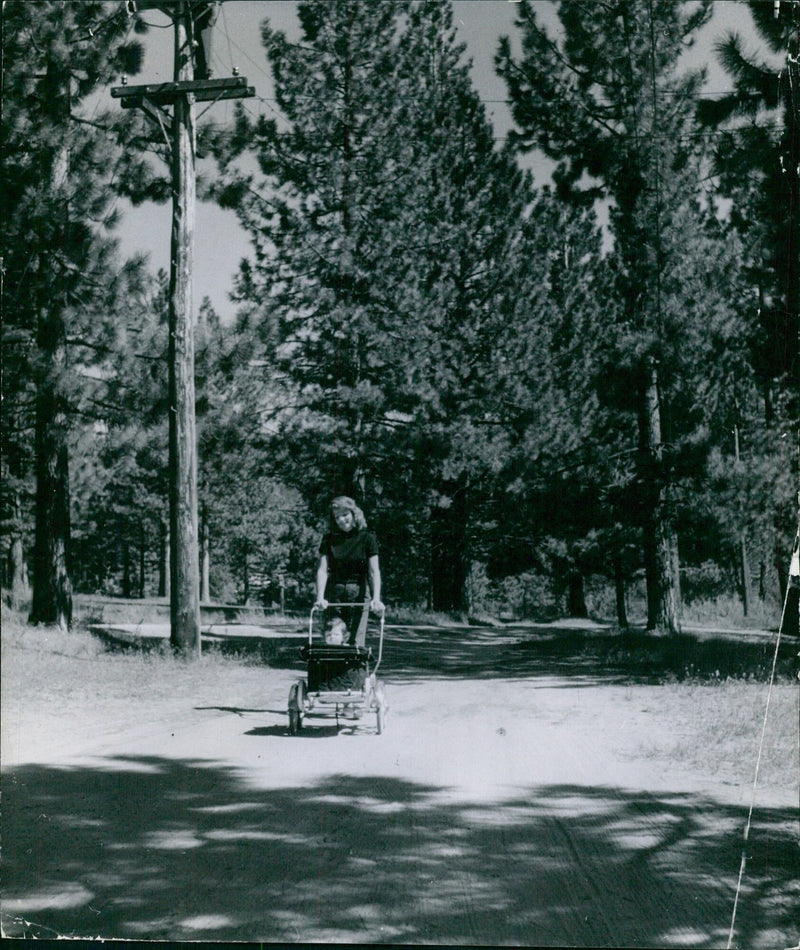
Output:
(120, 475)
(56, 197)
(463, 271)
(564, 446)
(382, 237)
(318, 224)
(606, 101)
(757, 160)
(255, 527)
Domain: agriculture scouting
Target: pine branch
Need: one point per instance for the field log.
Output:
(110, 351)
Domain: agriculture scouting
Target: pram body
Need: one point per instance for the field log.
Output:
(339, 678)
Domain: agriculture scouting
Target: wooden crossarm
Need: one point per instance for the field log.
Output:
(232, 87)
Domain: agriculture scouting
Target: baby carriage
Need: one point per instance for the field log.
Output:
(341, 677)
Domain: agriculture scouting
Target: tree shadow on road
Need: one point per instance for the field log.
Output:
(583, 656)
(150, 848)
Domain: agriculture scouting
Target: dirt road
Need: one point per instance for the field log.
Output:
(502, 805)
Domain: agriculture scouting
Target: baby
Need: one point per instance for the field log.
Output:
(336, 633)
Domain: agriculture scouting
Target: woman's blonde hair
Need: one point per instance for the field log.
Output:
(347, 504)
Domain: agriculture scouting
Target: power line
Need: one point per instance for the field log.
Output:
(683, 137)
(232, 42)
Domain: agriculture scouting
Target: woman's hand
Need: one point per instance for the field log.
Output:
(376, 606)
(320, 603)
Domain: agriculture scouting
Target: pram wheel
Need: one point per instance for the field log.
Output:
(296, 707)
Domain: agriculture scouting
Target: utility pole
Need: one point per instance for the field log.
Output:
(192, 21)
(185, 600)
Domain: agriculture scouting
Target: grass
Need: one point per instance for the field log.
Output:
(75, 666)
(90, 609)
(726, 611)
(419, 615)
(641, 657)
(718, 727)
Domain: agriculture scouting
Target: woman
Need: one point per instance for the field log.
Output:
(349, 568)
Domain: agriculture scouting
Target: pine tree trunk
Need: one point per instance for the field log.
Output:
(576, 599)
(18, 585)
(744, 566)
(246, 579)
(657, 542)
(17, 579)
(163, 560)
(781, 566)
(205, 567)
(52, 588)
(675, 557)
(127, 586)
(448, 552)
(619, 592)
(746, 580)
(142, 552)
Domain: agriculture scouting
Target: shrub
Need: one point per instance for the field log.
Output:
(706, 581)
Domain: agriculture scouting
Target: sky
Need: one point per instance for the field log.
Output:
(220, 243)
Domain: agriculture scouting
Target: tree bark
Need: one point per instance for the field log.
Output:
(448, 552)
(576, 599)
(746, 580)
(619, 591)
(658, 542)
(142, 551)
(52, 589)
(127, 585)
(246, 579)
(16, 577)
(163, 560)
(744, 566)
(205, 567)
(675, 560)
(17, 569)
(781, 560)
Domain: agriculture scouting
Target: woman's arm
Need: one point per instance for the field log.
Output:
(322, 581)
(374, 569)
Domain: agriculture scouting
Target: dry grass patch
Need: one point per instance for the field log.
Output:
(74, 682)
(716, 728)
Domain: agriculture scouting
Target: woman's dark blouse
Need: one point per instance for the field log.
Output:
(348, 555)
